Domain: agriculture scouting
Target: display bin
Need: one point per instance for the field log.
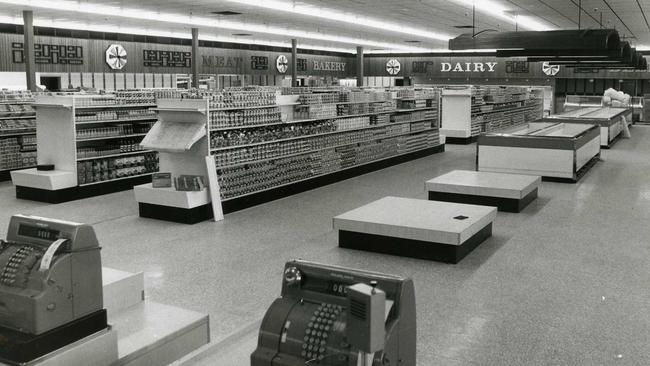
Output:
(556, 151)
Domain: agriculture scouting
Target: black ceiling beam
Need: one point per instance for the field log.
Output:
(625, 54)
(588, 39)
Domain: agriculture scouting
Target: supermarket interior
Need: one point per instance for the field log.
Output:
(324, 182)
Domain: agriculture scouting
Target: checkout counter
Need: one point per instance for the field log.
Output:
(556, 151)
(328, 315)
(50, 287)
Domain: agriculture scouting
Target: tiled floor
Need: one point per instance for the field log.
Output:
(566, 282)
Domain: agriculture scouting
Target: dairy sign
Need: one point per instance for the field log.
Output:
(424, 67)
(468, 66)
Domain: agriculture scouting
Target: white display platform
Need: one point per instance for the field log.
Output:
(170, 197)
(416, 228)
(49, 180)
(99, 349)
(415, 219)
(508, 192)
(485, 183)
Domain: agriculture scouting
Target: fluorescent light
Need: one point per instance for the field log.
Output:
(643, 47)
(500, 11)
(139, 14)
(433, 50)
(163, 33)
(338, 16)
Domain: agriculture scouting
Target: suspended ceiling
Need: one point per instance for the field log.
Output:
(276, 25)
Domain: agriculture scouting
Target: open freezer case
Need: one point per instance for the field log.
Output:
(610, 120)
(556, 151)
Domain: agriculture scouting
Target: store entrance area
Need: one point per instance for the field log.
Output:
(563, 282)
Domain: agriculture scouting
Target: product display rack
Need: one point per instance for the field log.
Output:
(92, 145)
(470, 111)
(328, 136)
(180, 137)
(17, 132)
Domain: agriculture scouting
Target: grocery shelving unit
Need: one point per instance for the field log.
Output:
(257, 150)
(326, 137)
(470, 111)
(17, 132)
(92, 141)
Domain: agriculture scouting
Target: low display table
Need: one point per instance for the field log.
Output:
(507, 192)
(439, 231)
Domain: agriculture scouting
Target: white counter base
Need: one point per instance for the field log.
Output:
(99, 349)
(153, 334)
(141, 333)
(431, 230)
(51, 180)
(170, 197)
(122, 290)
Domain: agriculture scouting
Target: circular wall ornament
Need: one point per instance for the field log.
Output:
(282, 64)
(393, 66)
(116, 56)
(550, 70)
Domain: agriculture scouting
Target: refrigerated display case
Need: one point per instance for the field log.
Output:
(556, 151)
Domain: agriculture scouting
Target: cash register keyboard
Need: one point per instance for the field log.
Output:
(16, 262)
(318, 331)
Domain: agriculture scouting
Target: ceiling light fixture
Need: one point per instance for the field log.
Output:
(338, 16)
(498, 10)
(139, 14)
(164, 33)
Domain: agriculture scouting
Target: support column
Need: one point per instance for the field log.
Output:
(359, 66)
(294, 62)
(30, 61)
(195, 58)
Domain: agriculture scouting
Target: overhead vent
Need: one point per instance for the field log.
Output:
(242, 34)
(412, 41)
(226, 12)
(464, 26)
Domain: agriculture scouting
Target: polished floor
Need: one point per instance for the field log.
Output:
(566, 282)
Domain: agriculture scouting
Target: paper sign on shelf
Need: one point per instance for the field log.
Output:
(173, 136)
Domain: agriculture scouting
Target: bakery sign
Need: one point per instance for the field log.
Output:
(329, 66)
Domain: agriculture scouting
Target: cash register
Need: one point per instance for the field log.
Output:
(50, 287)
(328, 315)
